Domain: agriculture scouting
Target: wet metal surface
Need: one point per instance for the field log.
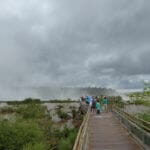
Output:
(106, 133)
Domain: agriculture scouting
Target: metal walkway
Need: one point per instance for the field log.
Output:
(106, 133)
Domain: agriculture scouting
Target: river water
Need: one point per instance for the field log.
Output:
(66, 107)
(133, 109)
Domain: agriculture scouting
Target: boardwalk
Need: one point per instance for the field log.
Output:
(106, 133)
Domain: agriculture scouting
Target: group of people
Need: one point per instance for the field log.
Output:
(95, 104)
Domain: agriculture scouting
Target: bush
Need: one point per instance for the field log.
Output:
(36, 146)
(25, 101)
(32, 111)
(74, 113)
(7, 110)
(31, 100)
(145, 116)
(66, 143)
(142, 102)
(13, 136)
(62, 114)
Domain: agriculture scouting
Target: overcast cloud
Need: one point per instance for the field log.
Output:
(104, 43)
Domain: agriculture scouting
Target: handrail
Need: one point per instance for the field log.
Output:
(139, 122)
(82, 133)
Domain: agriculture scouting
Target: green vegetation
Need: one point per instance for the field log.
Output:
(145, 116)
(74, 113)
(33, 128)
(145, 95)
(140, 98)
(140, 102)
(26, 101)
(15, 135)
(61, 101)
(37, 146)
(7, 110)
(66, 142)
(31, 111)
(61, 114)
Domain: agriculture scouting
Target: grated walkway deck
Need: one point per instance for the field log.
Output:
(106, 133)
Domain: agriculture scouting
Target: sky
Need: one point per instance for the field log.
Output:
(47, 43)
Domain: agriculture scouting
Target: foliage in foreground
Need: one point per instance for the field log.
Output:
(36, 146)
(67, 143)
(33, 130)
(13, 136)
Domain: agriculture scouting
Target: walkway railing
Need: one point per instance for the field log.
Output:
(82, 139)
(139, 128)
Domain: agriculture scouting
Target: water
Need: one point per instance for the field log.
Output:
(3, 104)
(51, 107)
(66, 107)
(11, 117)
(134, 109)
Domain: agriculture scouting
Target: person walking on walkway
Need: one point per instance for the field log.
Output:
(98, 107)
(93, 104)
(105, 104)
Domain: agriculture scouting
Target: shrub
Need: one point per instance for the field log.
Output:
(32, 111)
(7, 110)
(13, 136)
(62, 114)
(139, 102)
(66, 143)
(36, 146)
(145, 116)
(74, 113)
(31, 100)
(25, 101)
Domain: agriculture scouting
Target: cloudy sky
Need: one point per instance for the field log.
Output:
(74, 43)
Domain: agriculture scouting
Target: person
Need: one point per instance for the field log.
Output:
(105, 104)
(93, 104)
(82, 98)
(88, 100)
(98, 107)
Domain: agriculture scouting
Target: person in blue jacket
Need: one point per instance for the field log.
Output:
(88, 99)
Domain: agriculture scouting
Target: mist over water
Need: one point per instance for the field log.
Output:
(50, 93)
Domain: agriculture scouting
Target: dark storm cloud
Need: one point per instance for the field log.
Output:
(74, 43)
